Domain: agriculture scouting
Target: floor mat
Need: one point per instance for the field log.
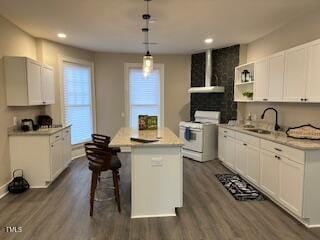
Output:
(239, 188)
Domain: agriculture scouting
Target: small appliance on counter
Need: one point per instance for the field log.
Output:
(200, 137)
(28, 125)
(44, 121)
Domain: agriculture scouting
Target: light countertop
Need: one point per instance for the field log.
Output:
(165, 136)
(41, 131)
(280, 138)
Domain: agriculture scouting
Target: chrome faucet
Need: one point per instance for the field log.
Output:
(276, 126)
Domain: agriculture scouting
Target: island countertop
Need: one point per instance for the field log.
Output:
(164, 136)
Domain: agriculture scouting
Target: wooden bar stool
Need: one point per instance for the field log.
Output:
(101, 161)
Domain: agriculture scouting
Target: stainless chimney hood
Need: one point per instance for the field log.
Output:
(207, 88)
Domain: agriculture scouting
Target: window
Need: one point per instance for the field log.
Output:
(144, 94)
(78, 109)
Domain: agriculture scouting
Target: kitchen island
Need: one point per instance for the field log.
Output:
(156, 171)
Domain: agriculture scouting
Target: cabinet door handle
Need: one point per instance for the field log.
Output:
(57, 136)
(302, 99)
(277, 157)
(278, 149)
(244, 144)
(225, 131)
(306, 99)
(265, 99)
(225, 136)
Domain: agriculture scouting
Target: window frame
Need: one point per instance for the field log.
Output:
(62, 60)
(127, 67)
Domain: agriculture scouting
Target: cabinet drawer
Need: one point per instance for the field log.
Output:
(55, 137)
(254, 141)
(66, 132)
(291, 153)
(227, 132)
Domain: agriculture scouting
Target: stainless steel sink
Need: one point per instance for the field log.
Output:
(260, 131)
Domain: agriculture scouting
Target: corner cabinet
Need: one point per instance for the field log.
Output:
(288, 176)
(28, 82)
(292, 75)
(42, 156)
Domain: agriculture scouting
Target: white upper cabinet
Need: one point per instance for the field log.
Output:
(261, 80)
(275, 77)
(313, 85)
(28, 82)
(47, 85)
(295, 75)
(34, 83)
(289, 76)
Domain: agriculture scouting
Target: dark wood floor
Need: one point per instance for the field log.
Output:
(209, 212)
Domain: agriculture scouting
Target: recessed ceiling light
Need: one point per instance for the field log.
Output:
(61, 35)
(208, 40)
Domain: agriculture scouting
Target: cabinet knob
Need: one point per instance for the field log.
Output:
(225, 136)
(302, 99)
(265, 99)
(306, 99)
(244, 144)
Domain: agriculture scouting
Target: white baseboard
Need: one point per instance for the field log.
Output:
(4, 189)
(78, 156)
(155, 215)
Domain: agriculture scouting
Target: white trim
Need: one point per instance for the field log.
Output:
(127, 66)
(78, 156)
(62, 59)
(4, 189)
(155, 215)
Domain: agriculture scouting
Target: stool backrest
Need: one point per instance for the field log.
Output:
(101, 140)
(97, 155)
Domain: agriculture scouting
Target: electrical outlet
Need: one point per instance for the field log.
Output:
(14, 121)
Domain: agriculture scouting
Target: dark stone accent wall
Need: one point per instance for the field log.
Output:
(224, 61)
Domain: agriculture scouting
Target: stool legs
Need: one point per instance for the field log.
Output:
(115, 175)
(94, 180)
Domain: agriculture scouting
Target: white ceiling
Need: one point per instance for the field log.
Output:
(181, 26)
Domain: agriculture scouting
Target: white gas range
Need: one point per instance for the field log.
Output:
(201, 136)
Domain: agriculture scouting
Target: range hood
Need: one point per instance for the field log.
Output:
(207, 88)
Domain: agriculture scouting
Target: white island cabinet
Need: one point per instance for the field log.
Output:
(285, 169)
(42, 154)
(156, 171)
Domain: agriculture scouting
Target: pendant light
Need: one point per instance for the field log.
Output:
(147, 66)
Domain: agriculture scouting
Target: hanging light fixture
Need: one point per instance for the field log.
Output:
(147, 66)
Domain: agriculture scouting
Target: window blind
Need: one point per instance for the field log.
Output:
(144, 95)
(78, 101)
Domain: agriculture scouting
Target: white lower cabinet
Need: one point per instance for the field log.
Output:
(229, 151)
(241, 158)
(291, 176)
(221, 147)
(269, 174)
(287, 175)
(57, 162)
(41, 156)
(253, 164)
